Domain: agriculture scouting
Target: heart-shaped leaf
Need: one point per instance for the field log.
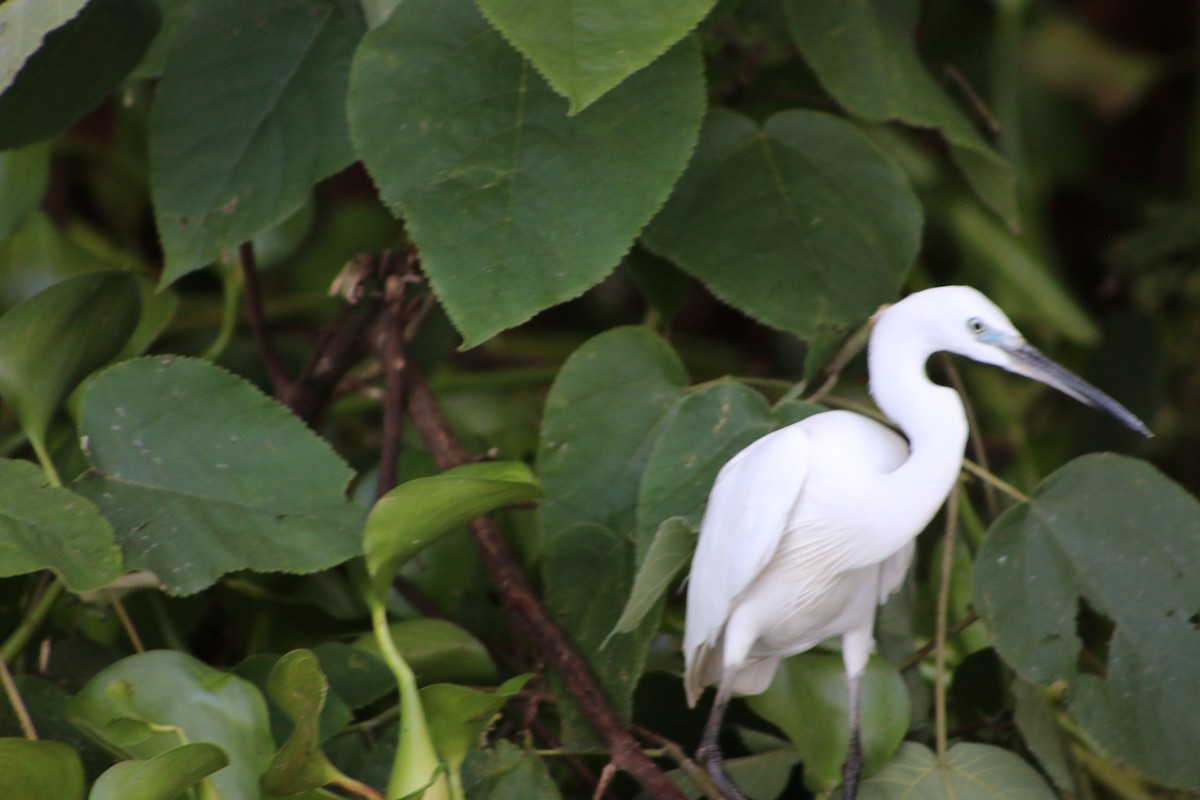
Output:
(153, 702)
(475, 150)
(459, 715)
(201, 474)
(971, 772)
(299, 687)
(863, 54)
(233, 144)
(1114, 533)
(586, 47)
(815, 247)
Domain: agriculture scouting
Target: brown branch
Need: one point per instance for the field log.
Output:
(527, 614)
(258, 326)
(393, 384)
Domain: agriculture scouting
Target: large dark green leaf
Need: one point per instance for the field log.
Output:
(808, 700)
(248, 116)
(201, 474)
(1114, 533)
(166, 776)
(972, 772)
(603, 416)
(46, 527)
(39, 770)
(153, 702)
(515, 205)
(802, 224)
(863, 55)
(507, 773)
(408, 518)
(53, 340)
(586, 47)
(77, 64)
(25, 24)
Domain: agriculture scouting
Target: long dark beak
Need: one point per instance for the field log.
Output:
(1028, 361)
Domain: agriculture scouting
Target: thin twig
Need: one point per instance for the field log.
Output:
(698, 774)
(18, 705)
(918, 655)
(988, 477)
(115, 600)
(527, 613)
(854, 344)
(976, 438)
(258, 326)
(393, 383)
(33, 618)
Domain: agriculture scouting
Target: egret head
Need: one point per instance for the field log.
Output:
(958, 319)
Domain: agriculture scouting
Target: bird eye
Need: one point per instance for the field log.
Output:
(976, 326)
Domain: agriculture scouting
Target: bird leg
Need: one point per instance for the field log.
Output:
(852, 767)
(709, 752)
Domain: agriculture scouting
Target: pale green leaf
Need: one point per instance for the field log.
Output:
(586, 47)
(669, 554)
(972, 772)
(39, 770)
(437, 651)
(808, 700)
(515, 206)
(405, 520)
(201, 474)
(248, 116)
(46, 527)
(1114, 533)
(803, 224)
(298, 686)
(863, 54)
(459, 715)
(166, 776)
(153, 702)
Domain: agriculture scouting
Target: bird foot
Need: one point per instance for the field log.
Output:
(714, 764)
(852, 767)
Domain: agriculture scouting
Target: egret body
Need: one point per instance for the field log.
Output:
(811, 527)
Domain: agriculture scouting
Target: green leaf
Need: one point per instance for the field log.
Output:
(55, 339)
(668, 555)
(359, 678)
(585, 48)
(821, 225)
(507, 773)
(39, 770)
(76, 66)
(299, 687)
(47, 527)
(602, 418)
(459, 715)
(248, 116)
(1116, 534)
(704, 430)
(334, 714)
(23, 175)
(1037, 721)
(150, 703)
(201, 474)
(437, 650)
(24, 25)
(478, 154)
(972, 772)
(406, 519)
(164, 777)
(863, 54)
(808, 701)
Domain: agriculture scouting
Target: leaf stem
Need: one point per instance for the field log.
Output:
(943, 607)
(47, 463)
(990, 478)
(416, 760)
(126, 622)
(18, 705)
(37, 612)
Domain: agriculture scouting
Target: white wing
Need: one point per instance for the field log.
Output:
(748, 511)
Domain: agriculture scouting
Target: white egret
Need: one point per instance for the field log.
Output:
(813, 525)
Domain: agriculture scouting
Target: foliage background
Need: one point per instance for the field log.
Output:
(553, 236)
